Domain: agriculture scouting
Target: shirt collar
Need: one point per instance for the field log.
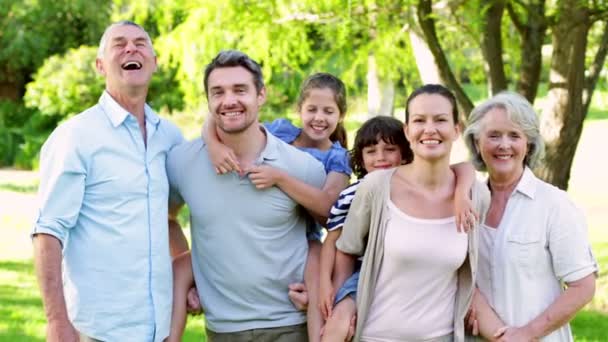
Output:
(527, 184)
(270, 151)
(117, 114)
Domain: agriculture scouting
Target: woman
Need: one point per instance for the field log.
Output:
(533, 239)
(416, 281)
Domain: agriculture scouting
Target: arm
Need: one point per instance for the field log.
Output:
(311, 280)
(486, 321)
(177, 240)
(343, 268)
(326, 289)
(222, 157)
(61, 193)
(465, 215)
(562, 310)
(47, 260)
(317, 201)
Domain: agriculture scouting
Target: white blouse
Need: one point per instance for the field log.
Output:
(540, 244)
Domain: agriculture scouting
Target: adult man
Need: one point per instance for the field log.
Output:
(103, 205)
(248, 245)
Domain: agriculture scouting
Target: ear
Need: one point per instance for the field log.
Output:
(99, 67)
(261, 96)
(405, 126)
(458, 128)
(155, 64)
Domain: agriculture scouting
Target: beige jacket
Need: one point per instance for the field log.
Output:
(364, 231)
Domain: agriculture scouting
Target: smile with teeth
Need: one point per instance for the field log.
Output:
(318, 128)
(430, 142)
(231, 114)
(131, 65)
(503, 157)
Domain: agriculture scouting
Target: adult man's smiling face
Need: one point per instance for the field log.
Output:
(233, 98)
(127, 60)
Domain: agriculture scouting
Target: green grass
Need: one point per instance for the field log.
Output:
(21, 188)
(21, 314)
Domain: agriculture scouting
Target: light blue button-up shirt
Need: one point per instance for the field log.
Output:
(104, 195)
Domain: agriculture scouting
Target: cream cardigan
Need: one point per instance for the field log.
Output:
(364, 231)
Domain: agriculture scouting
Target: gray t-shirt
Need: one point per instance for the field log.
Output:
(248, 245)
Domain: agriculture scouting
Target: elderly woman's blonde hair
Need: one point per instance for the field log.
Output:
(520, 112)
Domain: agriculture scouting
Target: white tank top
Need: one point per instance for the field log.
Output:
(415, 294)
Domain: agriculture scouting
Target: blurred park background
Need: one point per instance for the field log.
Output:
(551, 51)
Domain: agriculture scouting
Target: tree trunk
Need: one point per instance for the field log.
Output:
(387, 104)
(491, 43)
(425, 62)
(595, 69)
(562, 120)
(532, 33)
(427, 23)
(373, 87)
(380, 93)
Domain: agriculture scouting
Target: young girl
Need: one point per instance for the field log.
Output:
(322, 107)
(380, 143)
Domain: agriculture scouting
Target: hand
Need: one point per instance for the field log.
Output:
(326, 298)
(466, 217)
(351, 328)
(61, 331)
(517, 334)
(471, 324)
(223, 158)
(298, 296)
(264, 176)
(193, 302)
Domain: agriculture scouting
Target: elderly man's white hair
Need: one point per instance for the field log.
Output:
(104, 37)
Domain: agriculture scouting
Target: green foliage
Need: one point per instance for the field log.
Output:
(14, 117)
(31, 30)
(65, 84)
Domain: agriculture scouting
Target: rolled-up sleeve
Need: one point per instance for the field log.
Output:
(62, 184)
(568, 243)
(356, 227)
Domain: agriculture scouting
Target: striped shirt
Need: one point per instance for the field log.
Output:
(339, 210)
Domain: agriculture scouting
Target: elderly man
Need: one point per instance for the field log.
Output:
(248, 245)
(103, 207)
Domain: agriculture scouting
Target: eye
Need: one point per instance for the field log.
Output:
(514, 135)
(369, 150)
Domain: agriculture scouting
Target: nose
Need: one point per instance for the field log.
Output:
(429, 127)
(229, 99)
(130, 47)
(318, 116)
(380, 156)
(503, 142)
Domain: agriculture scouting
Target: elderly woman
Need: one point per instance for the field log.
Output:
(533, 240)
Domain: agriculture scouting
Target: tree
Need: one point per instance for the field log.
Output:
(30, 31)
(572, 79)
